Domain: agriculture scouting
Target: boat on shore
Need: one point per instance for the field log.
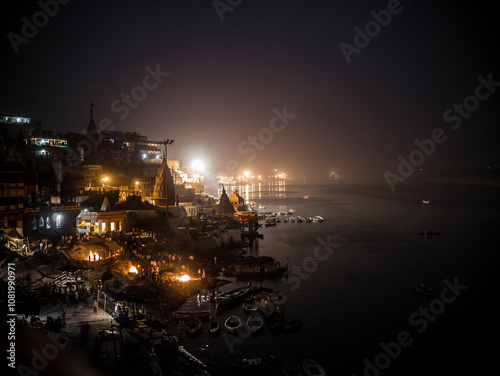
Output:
(255, 322)
(187, 315)
(232, 296)
(232, 324)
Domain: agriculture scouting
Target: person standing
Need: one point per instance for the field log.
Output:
(95, 306)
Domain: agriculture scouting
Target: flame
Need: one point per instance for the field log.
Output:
(92, 255)
(184, 278)
(133, 269)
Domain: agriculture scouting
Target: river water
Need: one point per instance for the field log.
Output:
(352, 278)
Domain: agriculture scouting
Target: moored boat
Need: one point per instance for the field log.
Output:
(249, 307)
(193, 326)
(213, 327)
(424, 289)
(232, 296)
(232, 324)
(429, 233)
(317, 218)
(311, 368)
(255, 322)
(276, 321)
(293, 324)
(186, 315)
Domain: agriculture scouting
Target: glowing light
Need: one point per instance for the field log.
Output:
(184, 278)
(246, 173)
(94, 256)
(198, 165)
(133, 269)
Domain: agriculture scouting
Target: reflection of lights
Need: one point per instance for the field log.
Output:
(184, 278)
(133, 269)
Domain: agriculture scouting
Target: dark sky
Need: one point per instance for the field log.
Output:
(226, 77)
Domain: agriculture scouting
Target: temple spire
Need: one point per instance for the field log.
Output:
(91, 127)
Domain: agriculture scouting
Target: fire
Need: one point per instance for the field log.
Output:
(184, 278)
(94, 256)
(133, 269)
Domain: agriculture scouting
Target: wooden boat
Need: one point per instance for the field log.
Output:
(232, 324)
(255, 322)
(429, 233)
(292, 369)
(193, 326)
(276, 321)
(317, 218)
(422, 288)
(187, 315)
(308, 219)
(425, 201)
(311, 368)
(249, 307)
(269, 270)
(293, 324)
(305, 197)
(232, 296)
(213, 327)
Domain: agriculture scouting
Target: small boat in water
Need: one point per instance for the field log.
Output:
(293, 324)
(255, 322)
(305, 197)
(311, 368)
(249, 307)
(232, 296)
(425, 201)
(193, 326)
(213, 327)
(276, 321)
(429, 233)
(317, 218)
(300, 219)
(232, 324)
(423, 288)
(308, 219)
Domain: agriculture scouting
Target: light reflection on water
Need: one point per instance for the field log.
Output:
(362, 294)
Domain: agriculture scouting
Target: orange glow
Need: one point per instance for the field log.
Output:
(133, 269)
(184, 278)
(94, 256)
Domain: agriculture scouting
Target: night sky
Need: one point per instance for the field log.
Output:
(225, 77)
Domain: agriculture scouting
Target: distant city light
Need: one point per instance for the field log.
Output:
(184, 278)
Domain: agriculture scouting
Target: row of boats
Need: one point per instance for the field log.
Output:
(263, 306)
(272, 221)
